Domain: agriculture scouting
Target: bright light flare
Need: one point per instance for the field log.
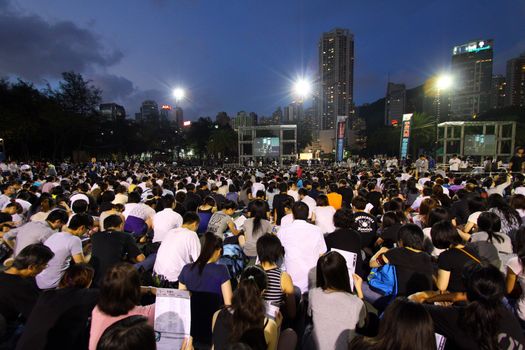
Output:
(179, 94)
(302, 88)
(444, 82)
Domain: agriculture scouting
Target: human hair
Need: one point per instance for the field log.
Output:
(132, 332)
(269, 248)
(359, 202)
(444, 235)
(57, 214)
(77, 276)
(322, 200)
(258, 213)
(283, 187)
(480, 318)
(33, 255)
(343, 218)
(491, 224)
(405, 325)
(520, 245)
(168, 200)
(232, 188)
(190, 187)
(134, 197)
(390, 218)
(476, 203)
(438, 214)
(412, 236)
(333, 187)
(303, 191)
(228, 204)
(119, 290)
(78, 220)
(300, 211)
(517, 201)
(112, 221)
(332, 272)
(427, 205)
(495, 200)
(190, 217)
(79, 206)
(211, 243)
(247, 303)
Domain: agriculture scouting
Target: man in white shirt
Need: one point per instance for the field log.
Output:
(165, 220)
(257, 186)
(454, 163)
(292, 191)
(179, 247)
(310, 202)
(304, 244)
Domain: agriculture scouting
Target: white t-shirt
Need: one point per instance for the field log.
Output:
(139, 210)
(310, 202)
(454, 164)
(286, 220)
(257, 187)
(64, 245)
(163, 221)
(179, 247)
(515, 265)
(324, 218)
(294, 194)
(473, 218)
(303, 243)
(417, 202)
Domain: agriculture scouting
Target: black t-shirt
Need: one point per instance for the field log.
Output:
(192, 201)
(265, 203)
(18, 295)
(277, 205)
(348, 240)
(390, 235)
(460, 211)
(374, 198)
(413, 270)
(366, 225)
(219, 199)
(109, 248)
(59, 319)
(446, 323)
(454, 260)
(348, 194)
(517, 163)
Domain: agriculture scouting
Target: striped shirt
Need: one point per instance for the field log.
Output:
(274, 292)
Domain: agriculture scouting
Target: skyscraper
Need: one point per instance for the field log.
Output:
(472, 72)
(499, 89)
(149, 111)
(336, 76)
(113, 111)
(515, 95)
(179, 117)
(293, 112)
(395, 102)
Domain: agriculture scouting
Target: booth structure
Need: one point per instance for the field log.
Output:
(267, 143)
(476, 139)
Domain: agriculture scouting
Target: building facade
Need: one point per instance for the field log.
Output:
(472, 72)
(499, 90)
(336, 76)
(515, 95)
(149, 111)
(112, 111)
(395, 102)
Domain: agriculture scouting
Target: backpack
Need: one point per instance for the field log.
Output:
(383, 279)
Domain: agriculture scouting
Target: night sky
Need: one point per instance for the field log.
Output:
(233, 55)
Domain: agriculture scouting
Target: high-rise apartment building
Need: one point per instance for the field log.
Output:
(499, 90)
(395, 102)
(472, 74)
(515, 95)
(112, 111)
(336, 76)
(149, 111)
(179, 117)
(293, 113)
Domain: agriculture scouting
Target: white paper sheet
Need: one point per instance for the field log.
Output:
(172, 317)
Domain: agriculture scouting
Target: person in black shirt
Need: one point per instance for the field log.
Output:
(482, 322)
(18, 291)
(413, 265)
(374, 197)
(346, 192)
(460, 208)
(452, 261)
(365, 224)
(345, 238)
(516, 163)
(193, 200)
(278, 202)
(314, 191)
(112, 246)
(203, 190)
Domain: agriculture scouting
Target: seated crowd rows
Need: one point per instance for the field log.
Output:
(316, 258)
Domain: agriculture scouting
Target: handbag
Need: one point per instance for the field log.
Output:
(383, 279)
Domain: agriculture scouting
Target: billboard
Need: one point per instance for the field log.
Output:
(480, 145)
(340, 138)
(405, 134)
(266, 147)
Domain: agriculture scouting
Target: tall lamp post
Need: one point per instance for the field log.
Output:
(443, 83)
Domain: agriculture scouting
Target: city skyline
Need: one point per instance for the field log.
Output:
(232, 58)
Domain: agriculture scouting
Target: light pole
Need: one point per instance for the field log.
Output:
(179, 94)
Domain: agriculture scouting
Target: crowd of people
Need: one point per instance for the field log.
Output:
(381, 256)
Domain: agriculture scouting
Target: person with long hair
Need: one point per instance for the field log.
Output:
(517, 202)
(335, 310)
(489, 226)
(205, 275)
(323, 215)
(516, 274)
(133, 332)
(245, 319)
(510, 219)
(405, 325)
(120, 295)
(254, 227)
(482, 321)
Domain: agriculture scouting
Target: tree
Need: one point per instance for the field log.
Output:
(199, 134)
(304, 135)
(423, 133)
(76, 95)
(223, 142)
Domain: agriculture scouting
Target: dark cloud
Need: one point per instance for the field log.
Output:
(34, 49)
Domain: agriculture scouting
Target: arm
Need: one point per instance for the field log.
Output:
(510, 281)
(287, 288)
(358, 282)
(182, 286)
(80, 259)
(226, 289)
(443, 278)
(233, 228)
(140, 258)
(373, 260)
